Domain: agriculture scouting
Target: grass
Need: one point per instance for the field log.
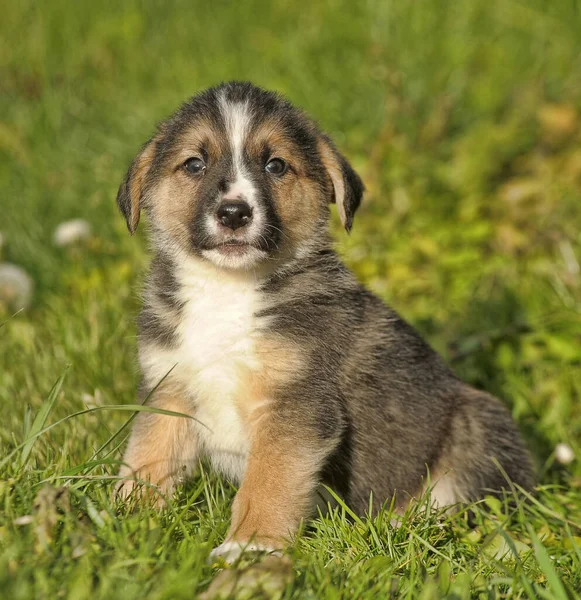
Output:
(464, 120)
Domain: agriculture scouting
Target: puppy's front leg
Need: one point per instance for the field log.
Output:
(161, 449)
(277, 491)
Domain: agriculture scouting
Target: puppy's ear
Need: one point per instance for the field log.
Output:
(347, 185)
(130, 194)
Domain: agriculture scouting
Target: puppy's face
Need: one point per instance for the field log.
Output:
(238, 176)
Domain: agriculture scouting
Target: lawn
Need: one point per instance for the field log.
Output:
(464, 120)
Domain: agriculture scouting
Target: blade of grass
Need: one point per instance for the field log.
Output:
(41, 418)
(123, 407)
(547, 567)
(522, 575)
(130, 420)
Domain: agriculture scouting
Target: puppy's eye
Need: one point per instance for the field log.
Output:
(276, 166)
(194, 165)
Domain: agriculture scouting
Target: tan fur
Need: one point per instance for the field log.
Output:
(298, 203)
(280, 479)
(334, 170)
(175, 193)
(297, 198)
(173, 204)
(140, 169)
(279, 485)
(281, 363)
(147, 457)
(443, 489)
(202, 134)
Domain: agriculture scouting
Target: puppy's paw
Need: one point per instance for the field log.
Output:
(231, 550)
(124, 488)
(133, 488)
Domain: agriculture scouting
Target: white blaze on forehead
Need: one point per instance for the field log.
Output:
(237, 120)
(237, 117)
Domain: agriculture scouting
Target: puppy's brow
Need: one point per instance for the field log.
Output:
(266, 152)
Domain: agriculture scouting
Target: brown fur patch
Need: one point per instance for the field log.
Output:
(298, 202)
(281, 363)
(138, 172)
(161, 449)
(297, 198)
(202, 134)
(269, 135)
(176, 192)
(279, 484)
(334, 170)
(280, 479)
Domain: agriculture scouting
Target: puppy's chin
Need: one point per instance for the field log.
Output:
(235, 257)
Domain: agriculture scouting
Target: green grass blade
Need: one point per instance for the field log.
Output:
(130, 419)
(547, 567)
(40, 419)
(122, 407)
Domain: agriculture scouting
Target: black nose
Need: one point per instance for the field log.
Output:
(234, 214)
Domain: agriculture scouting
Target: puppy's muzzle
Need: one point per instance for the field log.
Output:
(234, 215)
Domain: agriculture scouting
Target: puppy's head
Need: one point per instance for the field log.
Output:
(238, 176)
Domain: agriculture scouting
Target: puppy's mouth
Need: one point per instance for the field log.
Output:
(234, 247)
(235, 254)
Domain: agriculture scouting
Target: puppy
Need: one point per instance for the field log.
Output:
(293, 372)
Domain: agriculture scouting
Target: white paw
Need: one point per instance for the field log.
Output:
(230, 551)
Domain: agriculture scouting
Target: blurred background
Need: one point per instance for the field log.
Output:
(463, 118)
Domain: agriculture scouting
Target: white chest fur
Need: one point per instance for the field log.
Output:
(216, 350)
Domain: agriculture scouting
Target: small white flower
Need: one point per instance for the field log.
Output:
(564, 454)
(71, 232)
(15, 287)
(92, 401)
(24, 520)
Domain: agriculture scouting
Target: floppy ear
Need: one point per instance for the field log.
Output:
(130, 194)
(347, 185)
